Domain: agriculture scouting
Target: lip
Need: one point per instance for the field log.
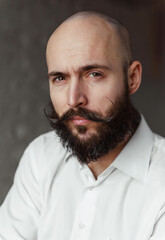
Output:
(77, 120)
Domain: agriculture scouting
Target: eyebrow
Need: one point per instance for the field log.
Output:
(92, 66)
(53, 74)
(84, 68)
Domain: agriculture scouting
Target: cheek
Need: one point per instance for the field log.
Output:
(103, 98)
(58, 101)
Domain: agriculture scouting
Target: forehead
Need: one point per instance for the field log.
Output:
(81, 40)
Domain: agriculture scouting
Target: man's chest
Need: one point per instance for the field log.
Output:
(117, 208)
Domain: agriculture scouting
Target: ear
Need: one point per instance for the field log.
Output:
(134, 76)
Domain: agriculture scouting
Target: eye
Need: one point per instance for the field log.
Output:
(58, 79)
(95, 74)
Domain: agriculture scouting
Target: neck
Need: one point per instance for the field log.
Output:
(97, 167)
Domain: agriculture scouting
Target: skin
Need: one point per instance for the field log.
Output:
(75, 45)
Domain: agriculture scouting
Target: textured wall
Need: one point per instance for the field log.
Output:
(24, 30)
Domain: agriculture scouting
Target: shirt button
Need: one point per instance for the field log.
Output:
(81, 225)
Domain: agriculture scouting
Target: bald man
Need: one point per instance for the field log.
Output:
(100, 175)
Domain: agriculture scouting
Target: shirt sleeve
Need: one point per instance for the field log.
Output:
(20, 211)
(159, 229)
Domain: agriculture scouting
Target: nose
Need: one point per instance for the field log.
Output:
(76, 94)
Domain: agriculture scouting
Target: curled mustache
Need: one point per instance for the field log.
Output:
(81, 112)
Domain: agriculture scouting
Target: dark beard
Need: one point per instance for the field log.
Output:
(111, 130)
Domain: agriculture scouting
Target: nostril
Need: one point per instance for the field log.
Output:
(75, 105)
(78, 105)
(77, 101)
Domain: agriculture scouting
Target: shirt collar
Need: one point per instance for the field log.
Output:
(134, 159)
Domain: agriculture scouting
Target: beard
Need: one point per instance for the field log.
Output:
(119, 122)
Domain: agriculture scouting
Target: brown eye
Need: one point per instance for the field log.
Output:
(95, 74)
(58, 79)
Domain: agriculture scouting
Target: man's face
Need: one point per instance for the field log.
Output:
(85, 71)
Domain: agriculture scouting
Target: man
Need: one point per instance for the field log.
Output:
(102, 176)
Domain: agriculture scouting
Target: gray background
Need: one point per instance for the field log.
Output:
(24, 30)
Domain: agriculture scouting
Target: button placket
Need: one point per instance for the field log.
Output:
(85, 215)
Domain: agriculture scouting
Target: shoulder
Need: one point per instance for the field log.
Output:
(157, 163)
(46, 143)
(158, 152)
(45, 139)
(46, 152)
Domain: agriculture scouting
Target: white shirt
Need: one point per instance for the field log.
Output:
(54, 197)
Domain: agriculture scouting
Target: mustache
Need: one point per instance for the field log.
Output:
(81, 112)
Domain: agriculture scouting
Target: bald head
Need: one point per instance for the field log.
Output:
(101, 26)
(119, 29)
